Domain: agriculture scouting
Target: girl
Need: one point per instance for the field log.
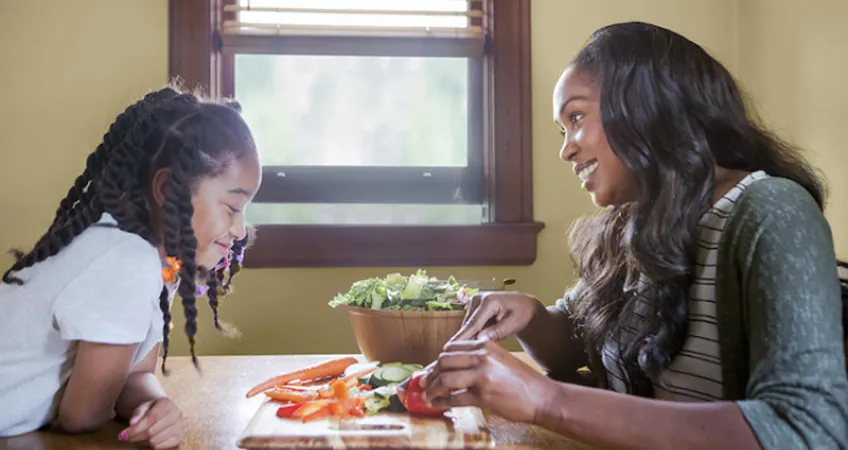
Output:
(160, 205)
(708, 302)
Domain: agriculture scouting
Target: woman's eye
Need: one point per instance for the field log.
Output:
(575, 117)
(232, 210)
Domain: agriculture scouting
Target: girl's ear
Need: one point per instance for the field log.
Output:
(157, 186)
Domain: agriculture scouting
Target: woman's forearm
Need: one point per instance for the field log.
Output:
(140, 387)
(611, 420)
(549, 339)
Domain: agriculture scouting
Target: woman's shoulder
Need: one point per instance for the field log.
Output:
(776, 200)
(771, 194)
(774, 209)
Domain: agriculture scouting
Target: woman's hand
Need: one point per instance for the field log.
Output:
(481, 373)
(158, 422)
(498, 315)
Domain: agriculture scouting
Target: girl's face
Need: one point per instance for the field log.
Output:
(219, 207)
(577, 111)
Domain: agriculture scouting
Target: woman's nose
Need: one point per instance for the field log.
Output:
(568, 150)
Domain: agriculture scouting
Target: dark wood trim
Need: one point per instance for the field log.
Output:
(227, 62)
(511, 105)
(353, 46)
(357, 184)
(406, 246)
(191, 35)
(509, 238)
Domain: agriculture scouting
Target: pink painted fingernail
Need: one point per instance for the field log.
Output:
(123, 436)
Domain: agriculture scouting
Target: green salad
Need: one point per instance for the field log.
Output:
(396, 292)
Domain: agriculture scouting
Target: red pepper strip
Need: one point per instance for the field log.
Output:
(364, 387)
(286, 411)
(323, 411)
(310, 407)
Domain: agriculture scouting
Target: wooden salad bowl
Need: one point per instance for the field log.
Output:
(412, 337)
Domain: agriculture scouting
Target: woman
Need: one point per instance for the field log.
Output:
(708, 302)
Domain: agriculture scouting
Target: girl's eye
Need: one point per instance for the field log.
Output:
(233, 210)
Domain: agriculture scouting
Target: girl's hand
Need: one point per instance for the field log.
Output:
(498, 315)
(158, 422)
(481, 373)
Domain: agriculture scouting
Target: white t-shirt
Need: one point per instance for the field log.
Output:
(104, 287)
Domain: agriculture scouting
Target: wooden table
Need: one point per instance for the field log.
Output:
(217, 411)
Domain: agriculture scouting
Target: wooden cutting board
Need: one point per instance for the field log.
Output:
(461, 428)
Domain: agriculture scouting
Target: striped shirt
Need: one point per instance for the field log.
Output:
(695, 373)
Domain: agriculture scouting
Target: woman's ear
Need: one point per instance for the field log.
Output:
(157, 186)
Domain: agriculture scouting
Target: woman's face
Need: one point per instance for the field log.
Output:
(577, 111)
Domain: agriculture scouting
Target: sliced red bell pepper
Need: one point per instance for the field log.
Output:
(322, 411)
(310, 407)
(286, 411)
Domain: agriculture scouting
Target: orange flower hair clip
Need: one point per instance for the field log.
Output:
(171, 269)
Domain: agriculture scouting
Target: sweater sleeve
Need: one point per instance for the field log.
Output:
(797, 392)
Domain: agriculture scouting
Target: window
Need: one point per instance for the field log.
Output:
(391, 132)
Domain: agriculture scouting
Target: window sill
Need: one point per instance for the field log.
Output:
(406, 246)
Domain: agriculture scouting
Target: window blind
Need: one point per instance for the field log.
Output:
(356, 18)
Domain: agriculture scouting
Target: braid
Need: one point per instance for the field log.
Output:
(179, 236)
(165, 306)
(118, 181)
(85, 202)
(94, 162)
(212, 294)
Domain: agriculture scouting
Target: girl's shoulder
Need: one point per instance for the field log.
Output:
(105, 242)
(102, 252)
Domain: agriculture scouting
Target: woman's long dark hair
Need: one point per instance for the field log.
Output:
(671, 113)
(166, 129)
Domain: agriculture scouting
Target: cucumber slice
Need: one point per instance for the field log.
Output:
(392, 373)
(389, 374)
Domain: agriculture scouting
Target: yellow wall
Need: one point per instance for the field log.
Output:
(73, 71)
(794, 64)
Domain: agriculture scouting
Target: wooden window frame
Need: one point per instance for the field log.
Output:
(510, 235)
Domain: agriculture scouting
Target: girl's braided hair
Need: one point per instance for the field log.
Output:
(167, 129)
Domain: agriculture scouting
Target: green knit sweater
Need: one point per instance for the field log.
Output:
(779, 315)
(780, 319)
